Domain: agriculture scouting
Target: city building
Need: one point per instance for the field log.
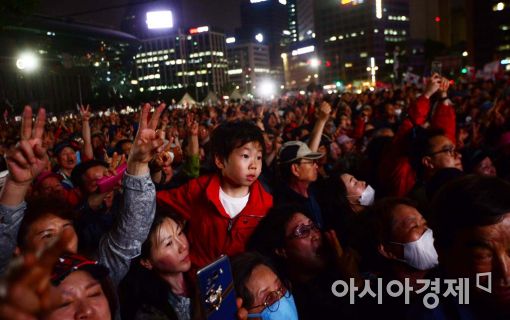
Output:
(267, 22)
(58, 64)
(361, 40)
(195, 60)
(489, 31)
(293, 33)
(305, 19)
(301, 65)
(248, 64)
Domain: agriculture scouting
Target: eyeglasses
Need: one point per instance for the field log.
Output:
(303, 231)
(272, 300)
(451, 150)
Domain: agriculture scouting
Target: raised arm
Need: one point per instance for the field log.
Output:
(25, 162)
(315, 137)
(123, 242)
(85, 132)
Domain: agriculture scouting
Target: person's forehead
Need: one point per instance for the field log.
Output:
(67, 150)
(498, 233)
(46, 220)
(78, 280)
(261, 278)
(297, 219)
(346, 178)
(252, 145)
(94, 169)
(52, 180)
(439, 141)
(404, 214)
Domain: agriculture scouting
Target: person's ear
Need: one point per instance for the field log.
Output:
(281, 252)
(146, 264)
(385, 252)
(17, 251)
(294, 168)
(427, 162)
(218, 161)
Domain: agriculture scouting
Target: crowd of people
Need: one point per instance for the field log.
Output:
(316, 199)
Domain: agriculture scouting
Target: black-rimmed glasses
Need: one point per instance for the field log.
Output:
(451, 150)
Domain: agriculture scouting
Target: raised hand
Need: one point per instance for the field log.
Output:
(28, 158)
(85, 113)
(147, 142)
(324, 111)
(433, 84)
(26, 291)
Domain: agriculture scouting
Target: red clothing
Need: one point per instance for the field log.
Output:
(396, 173)
(211, 231)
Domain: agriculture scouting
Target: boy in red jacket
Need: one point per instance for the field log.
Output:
(223, 209)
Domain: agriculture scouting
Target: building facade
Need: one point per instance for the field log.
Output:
(267, 22)
(360, 40)
(249, 65)
(195, 60)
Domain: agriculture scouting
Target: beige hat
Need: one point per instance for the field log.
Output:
(294, 150)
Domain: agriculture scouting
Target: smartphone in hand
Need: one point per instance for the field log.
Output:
(217, 293)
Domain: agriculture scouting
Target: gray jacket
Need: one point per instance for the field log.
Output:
(117, 247)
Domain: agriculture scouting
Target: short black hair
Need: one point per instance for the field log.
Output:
(118, 145)
(230, 135)
(419, 140)
(466, 202)
(81, 168)
(242, 268)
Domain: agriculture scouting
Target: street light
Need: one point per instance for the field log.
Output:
(314, 62)
(267, 88)
(27, 62)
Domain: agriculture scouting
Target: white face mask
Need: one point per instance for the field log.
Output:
(421, 254)
(367, 197)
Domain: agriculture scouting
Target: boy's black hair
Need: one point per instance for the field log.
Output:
(230, 135)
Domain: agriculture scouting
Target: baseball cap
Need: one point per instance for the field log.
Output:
(294, 150)
(68, 263)
(66, 143)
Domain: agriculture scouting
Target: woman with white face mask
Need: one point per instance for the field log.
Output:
(358, 192)
(399, 246)
(342, 198)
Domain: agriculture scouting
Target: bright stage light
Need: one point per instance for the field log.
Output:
(27, 61)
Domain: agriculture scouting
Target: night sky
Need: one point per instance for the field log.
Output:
(222, 14)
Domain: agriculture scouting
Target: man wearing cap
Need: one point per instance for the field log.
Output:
(65, 154)
(298, 170)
